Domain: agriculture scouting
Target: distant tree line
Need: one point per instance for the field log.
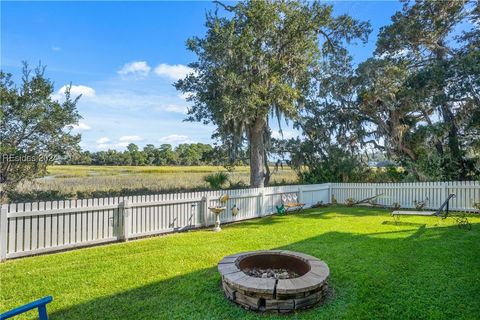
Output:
(186, 154)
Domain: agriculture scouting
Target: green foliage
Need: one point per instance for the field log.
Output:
(390, 173)
(425, 271)
(420, 94)
(319, 164)
(329, 150)
(242, 185)
(257, 61)
(216, 180)
(34, 127)
(416, 101)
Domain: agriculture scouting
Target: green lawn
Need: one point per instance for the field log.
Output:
(422, 268)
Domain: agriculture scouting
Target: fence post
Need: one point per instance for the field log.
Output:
(329, 200)
(300, 194)
(126, 210)
(3, 232)
(444, 192)
(206, 201)
(260, 204)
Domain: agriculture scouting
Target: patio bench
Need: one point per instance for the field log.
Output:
(290, 201)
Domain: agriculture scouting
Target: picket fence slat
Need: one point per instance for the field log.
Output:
(406, 194)
(40, 227)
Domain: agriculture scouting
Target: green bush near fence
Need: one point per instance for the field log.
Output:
(423, 268)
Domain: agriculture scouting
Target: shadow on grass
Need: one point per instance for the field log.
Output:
(393, 275)
(335, 211)
(400, 223)
(256, 223)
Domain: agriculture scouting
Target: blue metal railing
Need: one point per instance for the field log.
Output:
(40, 304)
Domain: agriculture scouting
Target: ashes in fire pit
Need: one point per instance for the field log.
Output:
(271, 273)
(274, 280)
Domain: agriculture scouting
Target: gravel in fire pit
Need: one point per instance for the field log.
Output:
(271, 273)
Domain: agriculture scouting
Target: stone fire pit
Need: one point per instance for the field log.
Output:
(274, 280)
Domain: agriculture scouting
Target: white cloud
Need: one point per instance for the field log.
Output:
(134, 101)
(80, 89)
(109, 146)
(112, 146)
(103, 140)
(174, 72)
(135, 68)
(55, 48)
(130, 138)
(104, 143)
(75, 91)
(122, 144)
(176, 139)
(174, 108)
(81, 126)
(287, 134)
(104, 146)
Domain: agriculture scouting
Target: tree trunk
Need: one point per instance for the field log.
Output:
(453, 143)
(257, 153)
(268, 174)
(449, 119)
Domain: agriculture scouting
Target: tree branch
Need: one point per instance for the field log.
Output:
(226, 7)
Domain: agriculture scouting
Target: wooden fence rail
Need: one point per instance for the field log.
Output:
(40, 227)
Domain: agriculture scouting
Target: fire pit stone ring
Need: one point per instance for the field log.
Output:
(304, 283)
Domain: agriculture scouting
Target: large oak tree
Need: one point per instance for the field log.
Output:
(256, 61)
(420, 90)
(416, 101)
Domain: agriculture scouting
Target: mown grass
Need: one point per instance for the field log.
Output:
(422, 268)
(107, 181)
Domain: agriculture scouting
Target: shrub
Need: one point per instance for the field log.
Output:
(476, 205)
(216, 180)
(350, 202)
(238, 185)
(419, 205)
(334, 200)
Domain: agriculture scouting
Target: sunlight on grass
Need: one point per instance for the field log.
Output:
(421, 268)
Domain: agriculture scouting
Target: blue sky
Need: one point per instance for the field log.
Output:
(124, 56)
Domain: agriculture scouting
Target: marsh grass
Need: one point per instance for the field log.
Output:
(77, 182)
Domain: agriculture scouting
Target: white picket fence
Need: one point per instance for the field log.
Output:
(39, 227)
(466, 193)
